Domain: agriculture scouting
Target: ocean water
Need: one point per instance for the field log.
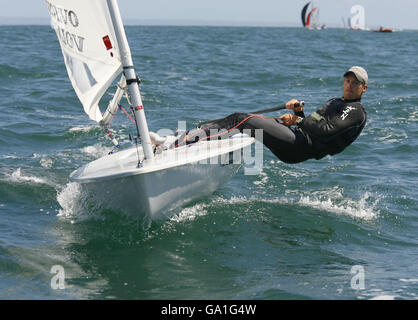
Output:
(344, 227)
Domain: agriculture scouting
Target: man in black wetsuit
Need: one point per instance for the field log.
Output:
(296, 138)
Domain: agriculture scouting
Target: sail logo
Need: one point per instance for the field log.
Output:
(63, 15)
(346, 112)
(60, 18)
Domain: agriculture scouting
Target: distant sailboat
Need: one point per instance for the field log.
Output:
(310, 17)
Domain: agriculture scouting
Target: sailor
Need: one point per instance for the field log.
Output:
(295, 138)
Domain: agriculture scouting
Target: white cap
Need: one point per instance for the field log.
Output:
(360, 74)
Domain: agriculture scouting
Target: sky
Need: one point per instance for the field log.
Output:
(399, 14)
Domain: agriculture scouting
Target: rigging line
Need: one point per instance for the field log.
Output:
(186, 136)
(120, 107)
(236, 126)
(223, 132)
(111, 119)
(109, 133)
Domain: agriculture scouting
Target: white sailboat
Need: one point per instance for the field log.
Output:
(137, 180)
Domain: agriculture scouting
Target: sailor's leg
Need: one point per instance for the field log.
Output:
(289, 145)
(241, 121)
(219, 129)
(225, 127)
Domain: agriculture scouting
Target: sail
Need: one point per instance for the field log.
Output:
(308, 18)
(303, 14)
(89, 46)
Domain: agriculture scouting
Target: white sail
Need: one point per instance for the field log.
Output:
(89, 46)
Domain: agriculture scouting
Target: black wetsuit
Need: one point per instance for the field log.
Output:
(329, 130)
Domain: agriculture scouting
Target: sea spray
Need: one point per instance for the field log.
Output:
(336, 202)
(76, 205)
(18, 177)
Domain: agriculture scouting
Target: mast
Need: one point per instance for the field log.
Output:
(131, 80)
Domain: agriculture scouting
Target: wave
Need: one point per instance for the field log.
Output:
(391, 137)
(18, 177)
(7, 71)
(96, 151)
(75, 204)
(332, 201)
(9, 156)
(83, 129)
(31, 188)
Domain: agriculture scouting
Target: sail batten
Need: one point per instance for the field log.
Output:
(89, 47)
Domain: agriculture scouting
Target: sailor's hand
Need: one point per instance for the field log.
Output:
(288, 119)
(295, 105)
(291, 104)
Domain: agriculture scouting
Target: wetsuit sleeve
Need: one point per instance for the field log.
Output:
(300, 114)
(326, 128)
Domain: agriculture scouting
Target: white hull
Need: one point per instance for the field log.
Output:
(175, 177)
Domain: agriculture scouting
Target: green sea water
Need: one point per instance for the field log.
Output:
(338, 228)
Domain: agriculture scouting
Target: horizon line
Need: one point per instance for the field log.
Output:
(26, 21)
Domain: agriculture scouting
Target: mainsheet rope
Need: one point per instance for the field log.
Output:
(186, 137)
